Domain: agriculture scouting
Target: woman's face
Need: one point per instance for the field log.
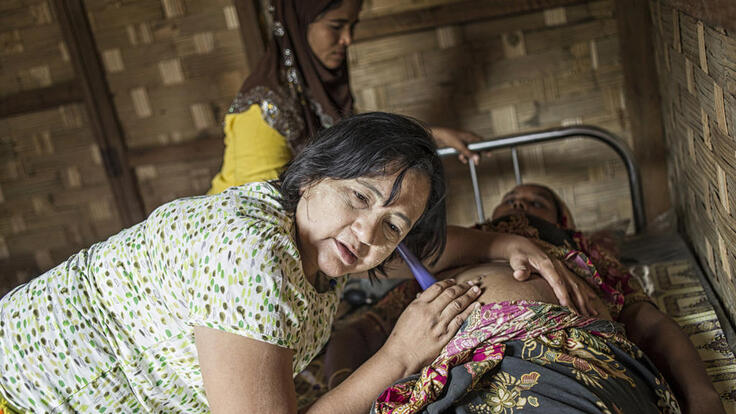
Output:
(345, 227)
(331, 34)
(529, 199)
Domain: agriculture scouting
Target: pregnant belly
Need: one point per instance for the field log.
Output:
(497, 284)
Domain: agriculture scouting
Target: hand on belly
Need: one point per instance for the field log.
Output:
(497, 283)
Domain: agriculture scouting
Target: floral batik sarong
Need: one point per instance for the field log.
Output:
(533, 357)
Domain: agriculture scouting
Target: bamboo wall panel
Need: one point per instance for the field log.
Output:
(32, 54)
(522, 72)
(54, 195)
(696, 63)
(173, 67)
(165, 182)
(375, 8)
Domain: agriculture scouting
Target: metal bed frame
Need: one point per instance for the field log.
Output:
(623, 151)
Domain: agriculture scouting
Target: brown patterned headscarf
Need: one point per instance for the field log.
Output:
(298, 95)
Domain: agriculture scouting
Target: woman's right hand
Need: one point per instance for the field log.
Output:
(429, 322)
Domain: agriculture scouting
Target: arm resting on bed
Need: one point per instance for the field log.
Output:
(670, 349)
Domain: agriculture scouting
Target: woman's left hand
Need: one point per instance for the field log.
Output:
(526, 257)
(447, 137)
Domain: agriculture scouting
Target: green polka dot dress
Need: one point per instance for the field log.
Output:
(112, 328)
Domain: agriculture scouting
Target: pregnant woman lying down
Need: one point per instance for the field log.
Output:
(521, 351)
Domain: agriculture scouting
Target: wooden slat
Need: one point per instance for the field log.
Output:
(251, 31)
(643, 102)
(455, 13)
(715, 12)
(39, 99)
(103, 119)
(199, 149)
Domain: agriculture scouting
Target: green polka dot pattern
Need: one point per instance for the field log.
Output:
(111, 329)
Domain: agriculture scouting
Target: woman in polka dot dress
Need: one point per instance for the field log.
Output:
(213, 303)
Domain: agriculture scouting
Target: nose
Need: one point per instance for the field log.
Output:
(346, 36)
(519, 205)
(366, 229)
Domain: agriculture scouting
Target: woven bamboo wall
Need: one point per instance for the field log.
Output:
(696, 63)
(32, 54)
(506, 75)
(54, 194)
(173, 67)
(374, 8)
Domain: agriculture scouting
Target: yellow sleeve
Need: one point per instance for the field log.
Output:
(254, 151)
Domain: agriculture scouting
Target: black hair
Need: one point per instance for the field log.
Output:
(370, 145)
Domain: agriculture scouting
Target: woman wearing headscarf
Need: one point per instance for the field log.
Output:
(299, 87)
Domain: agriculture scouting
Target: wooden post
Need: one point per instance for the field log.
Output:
(251, 31)
(198, 149)
(643, 102)
(448, 14)
(40, 99)
(77, 33)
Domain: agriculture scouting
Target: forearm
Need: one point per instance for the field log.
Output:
(468, 246)
(676, 358)
(349, 347)
(359, 390)
(674, 355)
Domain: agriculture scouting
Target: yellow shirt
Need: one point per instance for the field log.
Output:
(254, 151)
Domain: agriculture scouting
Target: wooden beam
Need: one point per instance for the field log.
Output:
(210, 147)
(454, 13)
(715, 12)
(643, 102)
(39, 99)
(252, 31)
(106, 128)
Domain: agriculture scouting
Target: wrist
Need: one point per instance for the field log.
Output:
(438, 135)
(500, 246)
(400, 361)
(709, 405)
(698, 397)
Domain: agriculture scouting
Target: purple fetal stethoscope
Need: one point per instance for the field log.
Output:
(421, 274)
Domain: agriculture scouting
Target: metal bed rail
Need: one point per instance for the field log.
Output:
(623, 151)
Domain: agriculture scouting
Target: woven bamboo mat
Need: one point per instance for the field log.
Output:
(671, 276)
(675, 287)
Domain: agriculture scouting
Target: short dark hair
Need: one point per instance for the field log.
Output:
(370, 145)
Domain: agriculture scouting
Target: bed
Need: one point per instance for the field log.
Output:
(662, 260)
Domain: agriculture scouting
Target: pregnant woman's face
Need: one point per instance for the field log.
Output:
(528, 199)
(332, 32)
